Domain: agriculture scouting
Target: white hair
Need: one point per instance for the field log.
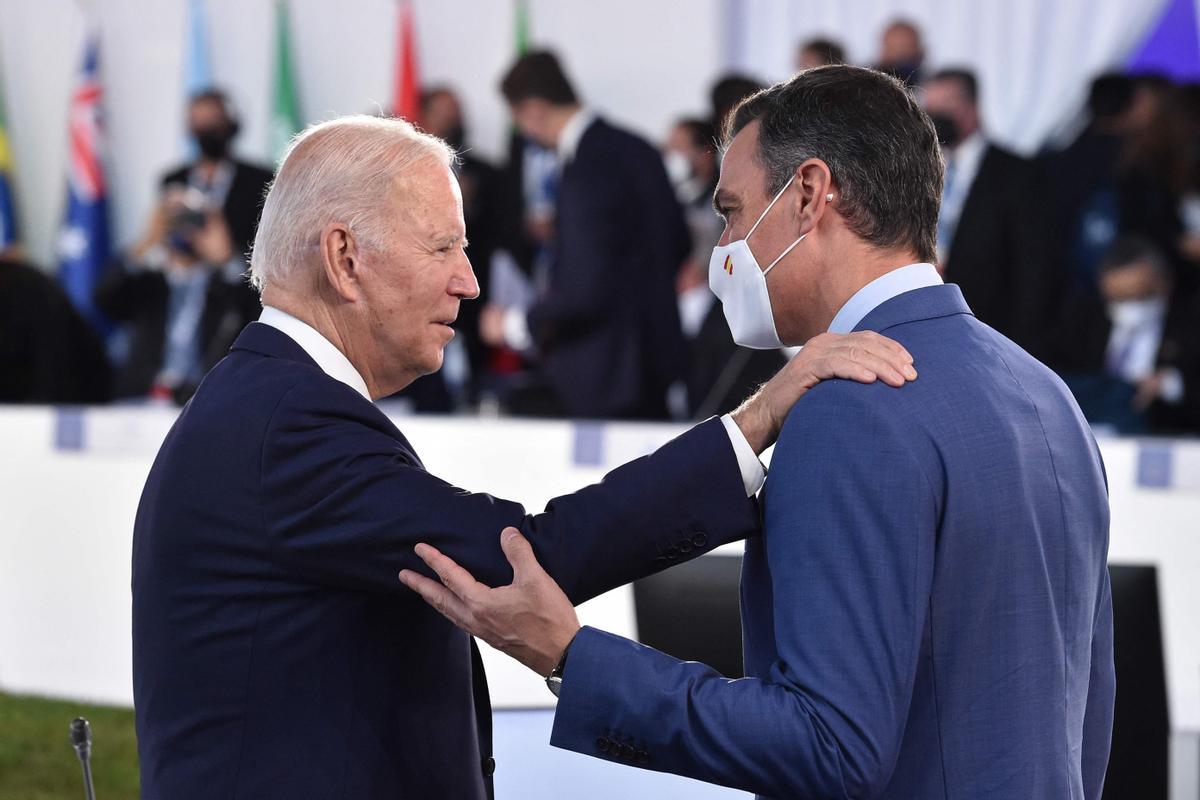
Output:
(343, 170)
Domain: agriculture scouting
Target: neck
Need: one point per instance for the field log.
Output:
(342, 331)
(559, 117)
(845, 276)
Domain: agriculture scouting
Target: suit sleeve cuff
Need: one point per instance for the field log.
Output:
(753, 472)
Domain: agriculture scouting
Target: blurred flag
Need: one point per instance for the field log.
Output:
(83, 245)
(8, 212)
(285, 110)
(197, 75)
(406, 100)
(197, 69)
(521, 27)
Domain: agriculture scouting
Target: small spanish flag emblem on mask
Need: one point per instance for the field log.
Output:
(729, 264)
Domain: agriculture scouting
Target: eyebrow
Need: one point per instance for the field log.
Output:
(722, 200)
(450, 240)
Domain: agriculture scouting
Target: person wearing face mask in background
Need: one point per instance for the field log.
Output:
(1131, 351)
(991, 241)
(720, 373)
(901, 52)
(181, 290)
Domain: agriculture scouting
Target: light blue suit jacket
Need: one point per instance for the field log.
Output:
(927, 614)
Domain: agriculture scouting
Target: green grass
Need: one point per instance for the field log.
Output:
(37, 761)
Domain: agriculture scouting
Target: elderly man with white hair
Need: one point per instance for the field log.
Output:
(275, 652)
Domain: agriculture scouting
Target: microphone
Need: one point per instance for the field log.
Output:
(81, 739)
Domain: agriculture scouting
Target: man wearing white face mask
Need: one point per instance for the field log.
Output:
(1131, 351)
(927, 613)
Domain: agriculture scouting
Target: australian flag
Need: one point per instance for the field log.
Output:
(83, 244)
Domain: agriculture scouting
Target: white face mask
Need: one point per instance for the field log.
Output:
(1137, 313)
(679, 169)
(741, 285)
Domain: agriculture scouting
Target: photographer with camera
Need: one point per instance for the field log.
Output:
(181, 290)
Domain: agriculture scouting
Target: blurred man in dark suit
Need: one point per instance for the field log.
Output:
(606, 327)
(48, 352)
(989, 232)
(1099, 188)
(181, 290)
(1131, 351)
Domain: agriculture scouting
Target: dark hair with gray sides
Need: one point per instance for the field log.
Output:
(879, 144)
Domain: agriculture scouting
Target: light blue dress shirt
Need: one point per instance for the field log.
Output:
(880, 290)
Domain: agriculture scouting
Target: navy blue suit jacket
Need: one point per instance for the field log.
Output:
(276, 653)
(608, 328)
(927, 613)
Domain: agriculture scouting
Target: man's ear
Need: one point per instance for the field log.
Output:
(814, 182)
(341, 261)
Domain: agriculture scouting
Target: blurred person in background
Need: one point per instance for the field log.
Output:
(603, 350)
(990, 235)
(1131, 350)
(726, 92)
(1189, 202)
(1104, 185)
(902, 52)
(720, 373)
(819, 53)
(181, 290)
(48, 352)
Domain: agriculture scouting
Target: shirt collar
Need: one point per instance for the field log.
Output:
(572, 132)
(333, 362)
(880, 290)
(967, 155)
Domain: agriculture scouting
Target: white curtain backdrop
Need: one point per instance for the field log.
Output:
(1034, 58)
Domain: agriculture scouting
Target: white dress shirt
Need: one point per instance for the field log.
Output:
(962, 165)
(335, 364)
(572, 132)
(516, 324)
(331, 360)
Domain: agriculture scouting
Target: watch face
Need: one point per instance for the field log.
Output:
(554, 683)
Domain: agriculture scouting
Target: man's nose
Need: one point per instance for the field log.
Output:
(463, 284)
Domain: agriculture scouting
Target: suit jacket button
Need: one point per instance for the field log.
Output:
(602, 744)
(699, 540)
(643, 757)
(627, 752)
(489, 767)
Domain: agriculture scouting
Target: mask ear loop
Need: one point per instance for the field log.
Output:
(784, 253)
(766, 210)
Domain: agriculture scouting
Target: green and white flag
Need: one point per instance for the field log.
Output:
(285, 107)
